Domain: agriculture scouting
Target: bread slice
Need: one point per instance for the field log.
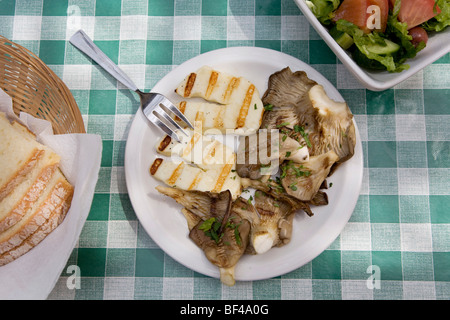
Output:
(14, 206)
(20, 199)
(18, 156)
(44, 216)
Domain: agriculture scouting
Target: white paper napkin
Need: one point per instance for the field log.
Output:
(33, 275)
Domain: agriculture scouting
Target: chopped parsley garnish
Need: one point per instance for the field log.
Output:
(283, 124)
(298, 173)
(301, 130)
(212, 228)
(268, 107)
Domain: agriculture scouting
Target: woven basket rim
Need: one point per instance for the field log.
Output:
(36, 89)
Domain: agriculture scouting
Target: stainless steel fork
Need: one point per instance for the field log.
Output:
(155, 106)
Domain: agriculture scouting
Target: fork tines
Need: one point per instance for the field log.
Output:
(158, 112)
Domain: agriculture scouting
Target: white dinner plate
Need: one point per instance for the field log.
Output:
(161, 216)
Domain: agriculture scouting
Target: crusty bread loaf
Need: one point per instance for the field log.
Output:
(34, 204)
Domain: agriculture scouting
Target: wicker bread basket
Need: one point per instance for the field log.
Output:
(35, 89)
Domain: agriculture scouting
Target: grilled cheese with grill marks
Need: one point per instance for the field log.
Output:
(233, 104)
(197, 163)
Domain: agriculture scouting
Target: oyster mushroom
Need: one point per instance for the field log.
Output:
(300, 103)
(285, 89)
(319, 199)
(335, 129)
(203, 204)
(230, 244)
(276, 190)
(246, 211)
(270, 218)
(260, 154)
(254, 155)
(275, 223)
(213, 227)
(303, 181)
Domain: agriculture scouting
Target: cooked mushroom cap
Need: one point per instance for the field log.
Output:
(285, 90)
(202, 204)
(261, 153)
(273, 213)
(227, 252)
(327, 126)
(254, 155)
(298, 100)
(276, 190)
(304, 181)
(231, 231)
(335, 128)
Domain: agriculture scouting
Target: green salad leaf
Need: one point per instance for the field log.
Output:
(323, 9)
(398, 32)
(363, 41)
(442, 20)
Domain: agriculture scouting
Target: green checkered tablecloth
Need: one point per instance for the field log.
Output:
(400, 228)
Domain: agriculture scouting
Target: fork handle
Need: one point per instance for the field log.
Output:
(82, 41)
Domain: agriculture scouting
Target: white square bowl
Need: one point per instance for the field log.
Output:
(438, 45)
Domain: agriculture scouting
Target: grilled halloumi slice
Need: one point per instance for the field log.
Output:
(234, 102)
(223, 118)
(187, 177)
(214, 170)
(203, 151)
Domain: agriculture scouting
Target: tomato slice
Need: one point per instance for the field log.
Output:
(355, 11)
(384, 12)
(415, 12)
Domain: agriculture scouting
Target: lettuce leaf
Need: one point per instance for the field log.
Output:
(398, 32)
(323, 9)
(363, 41)
(442, 20)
